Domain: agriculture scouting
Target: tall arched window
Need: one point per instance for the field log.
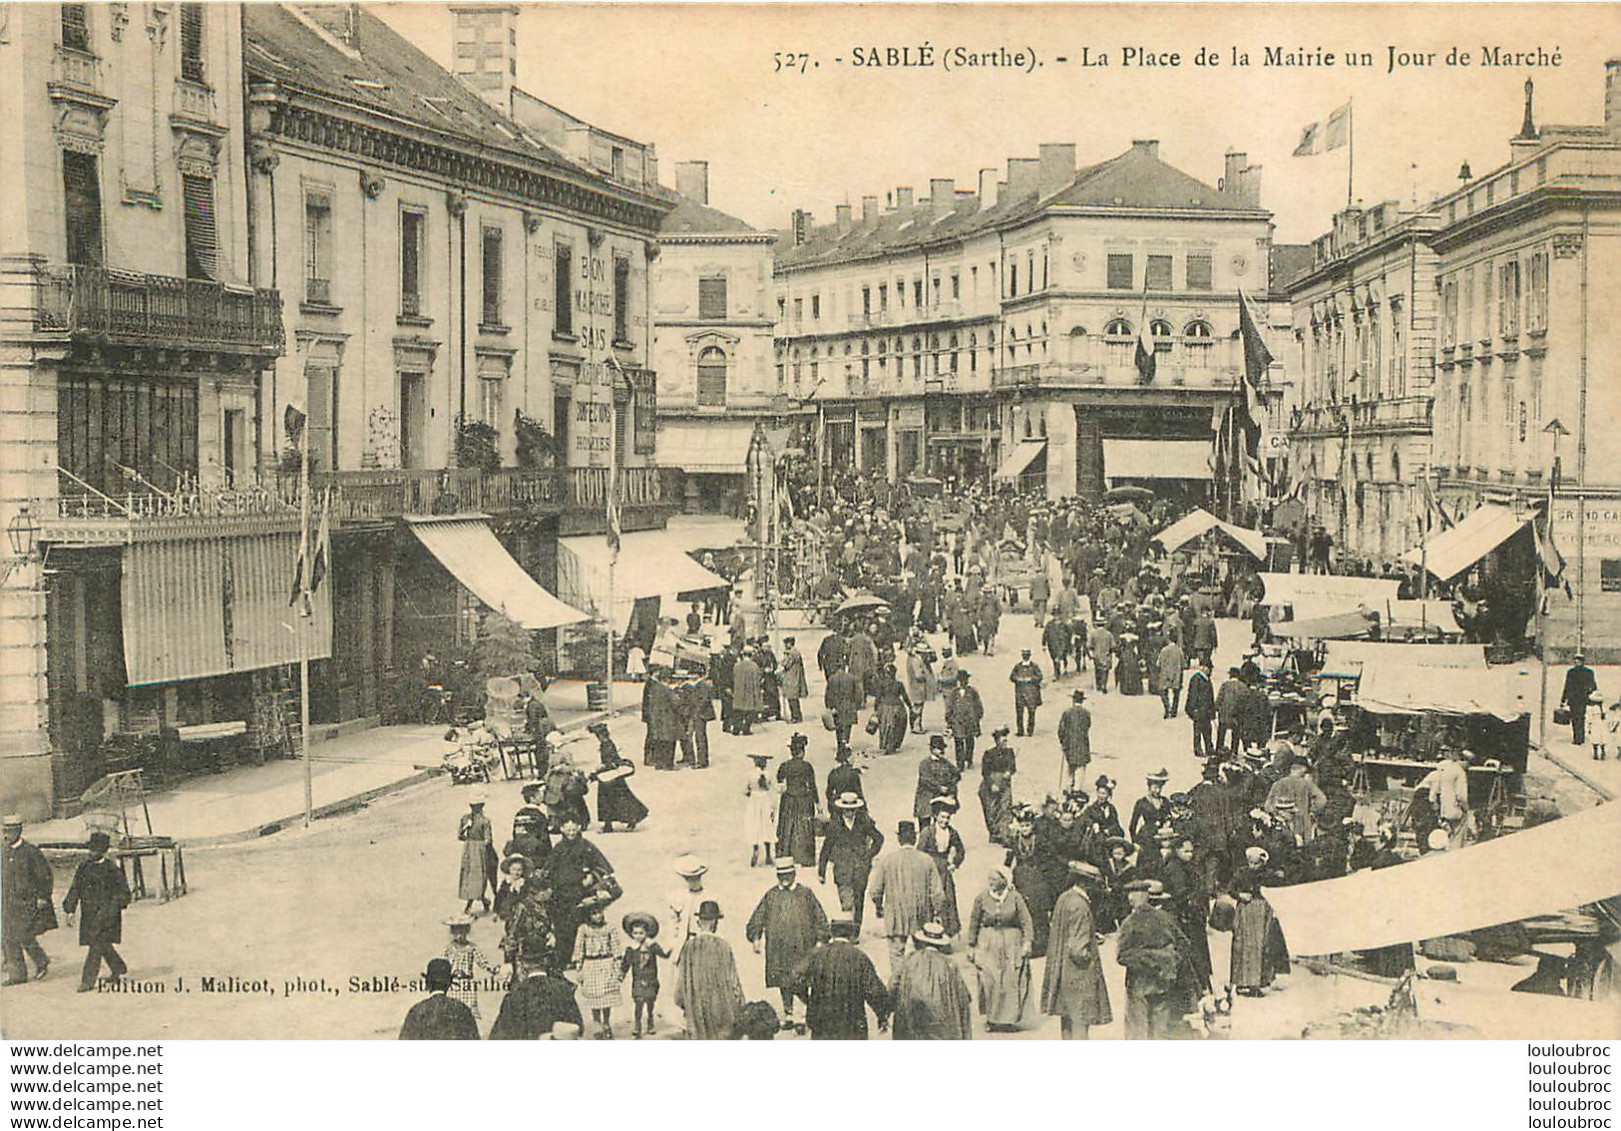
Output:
(712, 378)
(1118, 334)
(1197, 340)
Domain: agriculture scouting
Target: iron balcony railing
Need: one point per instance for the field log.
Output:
(127, 307)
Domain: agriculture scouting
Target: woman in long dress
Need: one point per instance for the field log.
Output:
(944, 844)
(759, 811)
(1253, 967)
(1029, 875)
(479, 862)
(999, 938)
(796, 809)
(1129, 673)
(893, 711)
(615, 802)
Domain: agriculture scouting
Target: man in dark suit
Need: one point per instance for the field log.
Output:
(100, 892)
(437, 1017)
(25, 886)
(698, 711)
(851, 844)
(844, 698)
(532, 1006)
(832, 654)
(1200, 706)
(838, 982)
(1580, 687)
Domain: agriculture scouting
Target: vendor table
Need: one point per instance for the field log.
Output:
(210, 746)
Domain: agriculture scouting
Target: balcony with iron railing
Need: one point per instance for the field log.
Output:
(115, 307)
(80, 516)
(1383, 416)
(1095, 361)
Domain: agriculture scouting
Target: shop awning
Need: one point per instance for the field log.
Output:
(708, 447)
(1340, 626)
(1567, 863)
(1156, 459)
(214, 606)
(1426, 618)
(651, 563)
(467, 547)
(1024, 453)
(1454, 550)
(1199, 521)
(1313, 595)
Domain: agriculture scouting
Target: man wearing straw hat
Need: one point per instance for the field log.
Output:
(851, 845)
(931, 998)
(786, 925)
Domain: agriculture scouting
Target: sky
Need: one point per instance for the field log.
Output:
(698, 80)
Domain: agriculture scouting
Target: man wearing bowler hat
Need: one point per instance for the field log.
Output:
(1147, 949)
(25, 887)
(99, 895)
(439, 1017)
(1072, 984)
(707, 989)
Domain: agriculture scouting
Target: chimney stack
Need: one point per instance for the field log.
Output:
(841, 213)
(485, 55)
(1023, 176)
(987, 188)
(802, 227)
(1235, 165)
(1149, 146)
(869, 209)
(1612, 97)
(903, 197)
(692, 180)
(1057, 167)
(942, 195)
(1241, 180)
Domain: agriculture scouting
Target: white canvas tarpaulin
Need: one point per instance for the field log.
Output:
(1156, 459)
(1313, 595)
(1562, 864)
(1410, 689)
(1351, 655)
(1199, 521)
(1024, 453)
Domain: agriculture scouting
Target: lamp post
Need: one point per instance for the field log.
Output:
(1556, 429)
(23, 534)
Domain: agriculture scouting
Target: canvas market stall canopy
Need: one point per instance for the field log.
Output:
(1566, 863)
(652, 563)
(1339, 627)
(1352, 657)
(1418, 689)
(1309, 596)
(468, 549)
(1457, 548)
(1423, 618)
(1199, 522)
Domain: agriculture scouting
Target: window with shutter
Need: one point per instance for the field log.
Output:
(712, 378)
(563, 288)
(82, 201)
(1200, 273)
(318, 247)
(1120, 272)
(1159, 272)
(411, 226)
(202, 238)
(191, 42)
(621, 300)
(76, 27)
(492, 277)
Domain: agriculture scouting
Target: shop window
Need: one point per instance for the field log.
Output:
(1609, 575)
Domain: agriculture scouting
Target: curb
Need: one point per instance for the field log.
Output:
(1559, 760)
(360, 800)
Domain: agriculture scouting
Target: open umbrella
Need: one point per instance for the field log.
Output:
(1128, 495)
(862, 601)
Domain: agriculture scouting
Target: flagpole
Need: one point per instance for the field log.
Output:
(1350, 149)
(304, 611)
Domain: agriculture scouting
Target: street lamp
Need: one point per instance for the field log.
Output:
(23, 534)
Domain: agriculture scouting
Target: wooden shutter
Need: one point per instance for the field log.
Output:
(202, 238)
(410, 263)
(712, 297)
(191, 42)
(621, 300)
(82, 199)
(563, 288)
(492, 276)
(75, 27)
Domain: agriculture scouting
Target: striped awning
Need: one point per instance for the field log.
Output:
(215, 606)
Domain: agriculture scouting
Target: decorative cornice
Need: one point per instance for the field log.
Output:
(311, 125)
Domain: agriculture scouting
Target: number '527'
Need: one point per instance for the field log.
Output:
(790, 61)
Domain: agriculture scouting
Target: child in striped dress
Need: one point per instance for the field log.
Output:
(598, 949)
(465, 959)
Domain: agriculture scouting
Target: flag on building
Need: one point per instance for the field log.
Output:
(1552, 561)
(1322, 136)
(1257, 359)
(323, 543)
(1145, 344)
(293, 420)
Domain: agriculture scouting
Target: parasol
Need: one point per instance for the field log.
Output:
(862, 601)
